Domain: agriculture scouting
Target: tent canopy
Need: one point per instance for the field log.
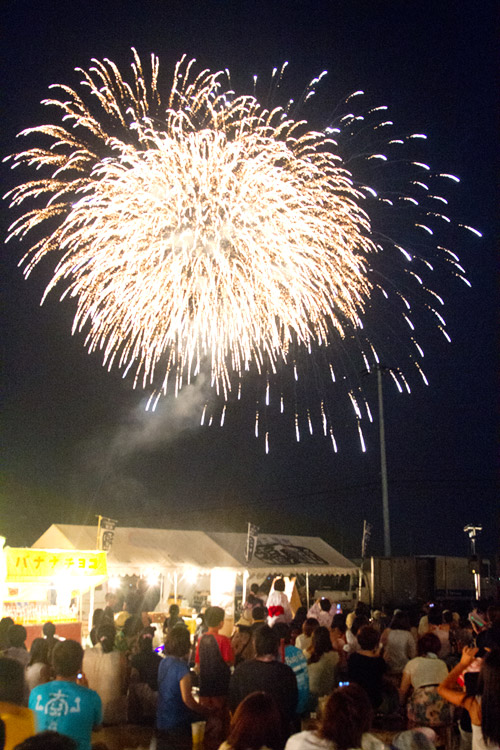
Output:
(278, 553)
(139, 551)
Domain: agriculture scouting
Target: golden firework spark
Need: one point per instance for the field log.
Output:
(210, 234)
(213, 230)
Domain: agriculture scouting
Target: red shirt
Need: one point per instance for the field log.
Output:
(224, 647)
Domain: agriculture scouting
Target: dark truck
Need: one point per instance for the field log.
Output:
(410, 580)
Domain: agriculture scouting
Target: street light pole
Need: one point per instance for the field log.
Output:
(473, 531)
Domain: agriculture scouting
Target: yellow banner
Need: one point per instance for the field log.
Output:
(26, 565)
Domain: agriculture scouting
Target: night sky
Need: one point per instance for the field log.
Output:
(76, 440)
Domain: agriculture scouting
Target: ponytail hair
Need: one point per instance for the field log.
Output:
(489, 689)
(106, 637)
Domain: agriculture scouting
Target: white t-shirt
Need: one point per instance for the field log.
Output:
(399, 648)
(426, 670)
(36, 674)
(478, 742)
(324, 618)
(310, 741)
(444, 637)
(303, 641)
(352, 644)
(105, 673)
(323, 674)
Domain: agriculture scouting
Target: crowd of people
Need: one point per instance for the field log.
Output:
(318, 678)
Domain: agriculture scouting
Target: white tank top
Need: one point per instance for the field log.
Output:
(478, 742)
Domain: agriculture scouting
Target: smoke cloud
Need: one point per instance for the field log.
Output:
(149, 430)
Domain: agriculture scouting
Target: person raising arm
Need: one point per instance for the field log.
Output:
(484, 709)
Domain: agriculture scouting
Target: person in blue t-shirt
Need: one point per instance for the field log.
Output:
(176, 706)
(64, 705)
(295, 659)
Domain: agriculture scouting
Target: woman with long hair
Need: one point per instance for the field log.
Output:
(173, 618)
(143, 688)
(399, 645)
(38, 669)
(345, 723)
(339, 641)
(297, 622)
(484, 708)
(304, 640)
(256, 724)
(5, 624)
(97, 619)
(107, 673)
(322, 665)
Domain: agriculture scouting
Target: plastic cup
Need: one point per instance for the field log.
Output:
(198, 733)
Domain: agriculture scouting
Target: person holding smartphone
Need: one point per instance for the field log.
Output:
(64, 704)
(484, 708)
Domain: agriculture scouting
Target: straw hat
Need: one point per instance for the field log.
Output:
(121, 618)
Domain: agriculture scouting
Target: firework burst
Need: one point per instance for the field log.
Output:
(206, 234)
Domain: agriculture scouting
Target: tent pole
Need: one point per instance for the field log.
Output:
(80, 613)
(307, 589)
(372, 581)
(246, 576)
(91, 607)
(175, 586)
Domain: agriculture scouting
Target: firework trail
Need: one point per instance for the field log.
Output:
(211, 233)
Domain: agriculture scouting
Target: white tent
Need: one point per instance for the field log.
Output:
(205, 561)
(183, 562)
(279, 553)
(139, 551)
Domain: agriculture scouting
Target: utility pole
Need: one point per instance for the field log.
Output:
(381, 370)
(383, 466)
